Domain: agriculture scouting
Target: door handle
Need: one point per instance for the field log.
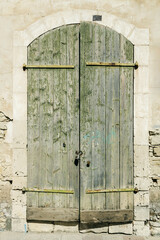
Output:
(77, 158)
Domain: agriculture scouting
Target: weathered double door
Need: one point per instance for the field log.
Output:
(80, 126)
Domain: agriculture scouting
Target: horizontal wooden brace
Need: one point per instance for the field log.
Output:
(52, 214)
(104, 216)
(135, 190)
(112, 64)
(47, 66)
(46, 190)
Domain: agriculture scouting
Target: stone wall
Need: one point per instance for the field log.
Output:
(5, 174)
(125, 16)
(154, 151)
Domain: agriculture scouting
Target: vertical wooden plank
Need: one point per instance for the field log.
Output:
(55, 123)
(46, 113)
(92, 115)
(126, 124)
(73, 112)
(33, 123)
(63, 181)
(98, 116)
(86, 108)
(112, 119)
(56, 174)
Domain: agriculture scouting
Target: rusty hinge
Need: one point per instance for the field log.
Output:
(112, 64)
(135, 190)
(46, 190)
(47, 66)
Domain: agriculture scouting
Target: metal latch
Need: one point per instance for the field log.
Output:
(112, 64)
(46, 190)
(47, 67)
(135, 190)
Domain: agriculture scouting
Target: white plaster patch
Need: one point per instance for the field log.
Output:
(19, 162)
(141, 55)
(20, 107)
(121, 228)
(140, 131)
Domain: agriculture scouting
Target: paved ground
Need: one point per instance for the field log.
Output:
(69, 236)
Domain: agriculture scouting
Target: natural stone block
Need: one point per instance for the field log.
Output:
(142, 183)
(18, 210)
(155, 168)
(140, 228)
(18, 197)
(141, 161)
(40, 227)
(155, 231)
(141, 199)
(155, 139)
(156, 151)
(154, 195)
(141, 110)
(5, 188)
(121, 228)
(65, 227)
(141, 131)
(19, 224)
(19, 182)
(141, 213)
(8, 137)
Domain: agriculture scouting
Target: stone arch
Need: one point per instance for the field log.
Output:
(21, 39)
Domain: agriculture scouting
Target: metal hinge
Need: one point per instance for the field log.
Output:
(135, 190)
(112, 64)
(46, 190)
(47, 67)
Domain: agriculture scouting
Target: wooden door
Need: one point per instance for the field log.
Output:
(106, 126)
(53, 126)
(101, 126)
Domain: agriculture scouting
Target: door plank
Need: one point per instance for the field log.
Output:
(57, 119)
(112, 119)
(33, 123)
(73, 112)
(106, 216)
(52, 214)
(126, 124)
(86, 112)
(97, 80)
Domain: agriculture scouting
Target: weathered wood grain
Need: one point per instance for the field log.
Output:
(33, 120)
(113, 216)
(112, 119)
(126, 124)
(86, 108)
(103, 122)
(52, 214)
(57, 118)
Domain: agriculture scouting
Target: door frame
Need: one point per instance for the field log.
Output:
(21, 39)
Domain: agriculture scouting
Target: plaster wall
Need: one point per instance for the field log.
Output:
(19, 15)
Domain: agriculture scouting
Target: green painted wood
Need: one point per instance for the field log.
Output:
(112, 118)
(56, 120)
(103, 119)
(33, 120)
(86, 109)
(126, 124)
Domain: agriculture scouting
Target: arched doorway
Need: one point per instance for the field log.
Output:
(80, 126)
